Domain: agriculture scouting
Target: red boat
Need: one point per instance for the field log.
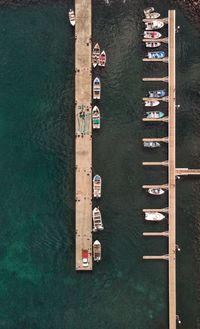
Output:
(102, 59)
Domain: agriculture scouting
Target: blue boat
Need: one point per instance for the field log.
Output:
(156, 93)
(156, 54)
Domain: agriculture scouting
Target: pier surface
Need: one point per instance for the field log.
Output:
(83, 132)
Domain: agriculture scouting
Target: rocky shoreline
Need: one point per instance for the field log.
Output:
(192, 8)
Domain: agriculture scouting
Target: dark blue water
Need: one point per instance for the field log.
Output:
(38, 284)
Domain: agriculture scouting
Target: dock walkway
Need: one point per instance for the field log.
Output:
(83, 131)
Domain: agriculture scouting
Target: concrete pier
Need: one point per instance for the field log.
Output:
(83, 132)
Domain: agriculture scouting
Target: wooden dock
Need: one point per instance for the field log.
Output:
(83, 132)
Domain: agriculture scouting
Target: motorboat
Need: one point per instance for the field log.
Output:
(95, 55)
(153, 25)
(102, 59)
(152, 44)
(154, 115)
(97, 251)
(156, 191)
(97, 186)
(151, 144)
(97, 220)
(156, 54)
(152, 15)
(152, 34)
(157, 93)
(96, 117)
(96, 88)
(148, 10)
(154, 216)
(151, 103)
(72, 17)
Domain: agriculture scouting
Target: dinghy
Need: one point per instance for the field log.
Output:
(95, 55)
(72, 17)
(96, 117)
(154, 115)
(102, 59)
(151, 144)
(156, 191)
(97, 186)
(152, 34)
(97, 251)
(152, 44)
(151, 103)
(154, 216)
(97, 220)
(156, 54)
(148, 10)
(96, 88)
(154, 25)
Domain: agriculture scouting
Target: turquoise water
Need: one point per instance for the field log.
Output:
(39, 286)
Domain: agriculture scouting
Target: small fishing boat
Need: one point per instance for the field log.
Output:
(154, 115)
(156, 191)
(97, 186)
(97, 251)
(96, 117)
(156, 93)
(85, 258)
(152, 34)
(95, 55)
(148, 10)
(152, 15)
(154, 216)
(152, 44)
(151, 103)
(96, 88)
(72, 17)
(154, 25)
(151, 144)
(102, 58)
(156, 54)
(97, 220)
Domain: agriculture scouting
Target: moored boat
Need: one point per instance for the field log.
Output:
(97, 251)
(96, 117)
(154, 216)
(95, 55)
(154, 115)
(148, 10)
(102, 59)
(151, 103)
(156, 54)
(156, 191)
(152, 15)
(151, 144)
(152, 34)
(156, 93)
(97, 186)
(97, 220)
(72, 17)
(153, 25)
(96, 88)
(153, 44)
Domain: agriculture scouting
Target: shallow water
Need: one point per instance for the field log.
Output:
(38, 284)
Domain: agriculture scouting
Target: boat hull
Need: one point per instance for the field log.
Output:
(151, 103)
(154, 216)
(152, 34)
(154, 191)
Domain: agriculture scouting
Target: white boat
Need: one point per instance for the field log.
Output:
(152, 44)
(154, 25)
(72, 17)
(97, 251)
(151, 103)
(151, 144)
(95, 117)
(154, 115)
(96, 88)
(95, 55)
(97, 220)
(97, 186)
(154, 216)
(156, 191)
(152, 34)
(102, 59)
(148, 10)
(152, 15)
